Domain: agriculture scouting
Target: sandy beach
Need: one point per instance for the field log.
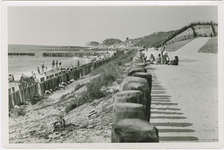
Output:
(193, 88)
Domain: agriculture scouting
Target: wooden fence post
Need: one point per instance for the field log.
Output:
(10, 102)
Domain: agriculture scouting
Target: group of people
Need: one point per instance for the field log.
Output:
(55, 64)
(162, 58)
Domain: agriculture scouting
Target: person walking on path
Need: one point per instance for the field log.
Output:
(162, 52)
(158, 60)
(152, 58)
(60, 65)
(56, 63)
(53, 64)
(42, 67)
(165, 58)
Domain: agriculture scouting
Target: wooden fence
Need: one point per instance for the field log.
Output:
(49, 83)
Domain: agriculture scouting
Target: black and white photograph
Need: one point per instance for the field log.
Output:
(129, 74)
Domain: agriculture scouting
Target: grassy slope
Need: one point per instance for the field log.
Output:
(177, 45)
(88, 122)
(152, 40)
(156, 39)
(210, 47)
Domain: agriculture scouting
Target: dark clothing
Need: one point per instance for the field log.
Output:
(174, 62)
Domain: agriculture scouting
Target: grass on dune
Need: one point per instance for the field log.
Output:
(210, 47)
(175, 46)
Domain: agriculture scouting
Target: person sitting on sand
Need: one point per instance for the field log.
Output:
(152, 58)
(33, 75)
(158, 60)
(174, 62)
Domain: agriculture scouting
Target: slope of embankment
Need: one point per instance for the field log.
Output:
(191, 31)
(78, 113)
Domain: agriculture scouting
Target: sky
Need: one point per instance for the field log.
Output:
(78, 25)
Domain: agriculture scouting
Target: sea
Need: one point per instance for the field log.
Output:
(18, 65)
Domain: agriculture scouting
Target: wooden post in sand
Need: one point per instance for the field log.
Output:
(13, 96)
(42, 88)
(134, 131)
(53, 84)
(10, 99)
(67, 77)
(59, 79)
(21, 92)
(77, 74)
(94, 66)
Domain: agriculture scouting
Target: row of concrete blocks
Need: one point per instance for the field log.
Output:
(131, 110)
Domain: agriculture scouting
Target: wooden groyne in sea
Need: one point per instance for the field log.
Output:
(65, 54)
(70, 54)
(21, 54)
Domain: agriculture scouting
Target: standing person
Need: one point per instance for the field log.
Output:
(162, 52)
(60, 65)
(145, 57)
(158, 60)
(38, 70)
(152, 58)
(33, 75)
(165, 58)
(53, 64)
(56, 63)
(42, 67)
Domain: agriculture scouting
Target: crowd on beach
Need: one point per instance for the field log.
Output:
(55, 65)
(162, 58)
